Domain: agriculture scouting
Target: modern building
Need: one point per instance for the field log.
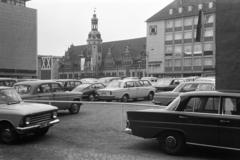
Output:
(172, 48)
(48, 67)
(18, 39)
(97, 58)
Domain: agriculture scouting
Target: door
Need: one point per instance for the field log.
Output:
(59, 95)
(200, 118)
(131, 89)
(230, 122)
(43, 92)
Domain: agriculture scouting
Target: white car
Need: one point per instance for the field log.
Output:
(126, 89)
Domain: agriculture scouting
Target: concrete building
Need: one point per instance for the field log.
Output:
(18, 39)
(48, 67)
(98, 59)
(172, 48)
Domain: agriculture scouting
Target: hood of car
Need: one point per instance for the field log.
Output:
(25, 108)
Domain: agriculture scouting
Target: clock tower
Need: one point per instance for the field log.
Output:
(95, 45)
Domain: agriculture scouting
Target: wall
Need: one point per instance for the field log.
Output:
(227, 45)
(18, 40)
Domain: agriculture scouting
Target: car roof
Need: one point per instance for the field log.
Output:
(37, 82)
(212, 93)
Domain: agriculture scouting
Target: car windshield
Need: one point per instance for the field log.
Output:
(22, 89)
(115, 84)
(174, 104)
(81, 87)
(9, 96)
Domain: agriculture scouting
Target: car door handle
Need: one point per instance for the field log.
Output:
(182, 117)
(224, 121)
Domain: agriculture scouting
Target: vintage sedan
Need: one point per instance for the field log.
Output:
(164, 98)
(9, 82)
(89, 90)
(126, 89)
(20, 118)
(48, 90)
(206, 118)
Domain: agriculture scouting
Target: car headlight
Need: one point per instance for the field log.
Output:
(54, 115)
(27, 120)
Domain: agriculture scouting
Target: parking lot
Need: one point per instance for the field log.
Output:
(96, 133)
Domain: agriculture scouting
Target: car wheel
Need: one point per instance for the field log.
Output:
(8, 135)
(172, 143)
(150, 96)
(42, 131)
(91, 97)
(125, 98)
(74, 109)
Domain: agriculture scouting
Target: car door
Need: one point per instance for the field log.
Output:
(230, 122)
(199, 118)
(139, 89)
(59, 95)
(43, 92)
(131, 89)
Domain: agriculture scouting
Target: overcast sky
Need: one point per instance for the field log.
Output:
(65, 22)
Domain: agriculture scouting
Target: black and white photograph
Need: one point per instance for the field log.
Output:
(119, 79)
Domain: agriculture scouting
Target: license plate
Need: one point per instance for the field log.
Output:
(44, 124)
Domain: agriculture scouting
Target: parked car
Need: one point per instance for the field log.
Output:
(206, 118)
(20, 118)
(107, 80)
(167, 84)
(50, 91)
(153, 80)
(206, 79)
(89, 90)
(126, 89)
(9, 82)
(164, 98)
(69, 84)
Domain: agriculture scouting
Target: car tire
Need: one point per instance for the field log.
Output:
(150, 96)
(125, 98)
(75, 108)
(91, 97)
(172, 143)
(7, 134)
(42, 131)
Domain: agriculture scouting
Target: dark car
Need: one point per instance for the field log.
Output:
(210, 119)
(69, 84)
(89, 90)
(167, 84)
(164, 98)
(48, 90)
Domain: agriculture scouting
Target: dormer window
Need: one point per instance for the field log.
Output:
(180, 9)
(200, 6)
(190, 8)
(170, 11)
(210, 5)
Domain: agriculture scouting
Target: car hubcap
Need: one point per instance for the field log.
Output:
(74, 107)
(171, 142)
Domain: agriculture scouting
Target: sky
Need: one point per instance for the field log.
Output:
(65, 22)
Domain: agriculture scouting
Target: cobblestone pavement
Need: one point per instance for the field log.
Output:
(96, 134)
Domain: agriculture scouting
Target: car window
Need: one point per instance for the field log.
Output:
(56, 87)
(129, 84)
(138, 84)
(22, 89)
(189, 87)
(77, 83)
(203, 105)
(205, 87)
(44, 88)
(231, 106)
(99, 86)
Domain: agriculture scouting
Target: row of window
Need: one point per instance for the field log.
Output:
(189, 8)
(14, 2)
(206, 61)
(189, 49)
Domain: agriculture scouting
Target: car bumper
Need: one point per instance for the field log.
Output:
(34, 127)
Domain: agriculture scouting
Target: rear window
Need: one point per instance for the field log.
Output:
(23, 89)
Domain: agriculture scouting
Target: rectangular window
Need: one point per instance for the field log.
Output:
(187, 35)
(178, 23)
(209, 18)
(178, 36)
(197, 62)
(169, 24)
(153, 30)
(188, 50)
(168, 63)
(231, 106)
(169, 37)
(177, 62)
(178, 51)
(197, 49)
(188, 21)
(208, 49)
(188, 62)
(208, 33)
(195, 20)
(208, 61)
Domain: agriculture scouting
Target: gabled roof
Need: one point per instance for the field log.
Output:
(164, 13)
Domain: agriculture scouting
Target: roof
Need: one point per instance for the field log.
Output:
(164, 13)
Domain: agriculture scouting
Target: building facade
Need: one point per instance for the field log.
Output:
(18, 40)
(98, 59)
(172, 47)
(48, 67)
